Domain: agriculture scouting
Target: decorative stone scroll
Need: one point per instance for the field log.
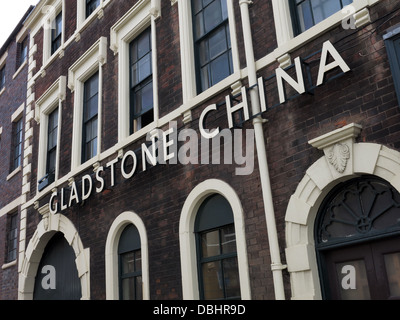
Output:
(338, 156)
(338, 147)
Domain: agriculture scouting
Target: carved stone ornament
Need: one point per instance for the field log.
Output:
(338, 156)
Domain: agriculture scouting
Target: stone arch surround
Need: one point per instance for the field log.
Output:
(320, 178)
(48, 226)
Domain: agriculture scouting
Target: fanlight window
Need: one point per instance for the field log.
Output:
(360, 208)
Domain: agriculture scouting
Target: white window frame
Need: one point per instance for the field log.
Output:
(52, 12)
(284, 25)
(45, 105)
(86, 66)
(81, 19)
(15, 117)
(3, 60)
(21, 36)
(187, 237)
(130, 26)
(111, 254)
(189, 83)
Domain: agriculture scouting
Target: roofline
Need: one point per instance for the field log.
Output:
(17, 29)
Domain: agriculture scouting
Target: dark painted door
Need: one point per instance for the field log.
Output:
(57, 276)
(368, 271)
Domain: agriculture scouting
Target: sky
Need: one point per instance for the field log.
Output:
(11, 12)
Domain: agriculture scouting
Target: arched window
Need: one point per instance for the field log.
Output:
(130, 264)
(218, 271)
(357, 236)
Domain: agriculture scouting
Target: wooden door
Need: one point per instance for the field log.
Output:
(367, 271)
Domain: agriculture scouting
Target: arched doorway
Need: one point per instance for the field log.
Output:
(357, 235)
(57, 276)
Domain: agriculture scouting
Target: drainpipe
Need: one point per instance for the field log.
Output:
(276, 265)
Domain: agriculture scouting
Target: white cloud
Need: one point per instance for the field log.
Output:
(11, 12)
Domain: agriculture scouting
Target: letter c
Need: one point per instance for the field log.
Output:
(205, 133)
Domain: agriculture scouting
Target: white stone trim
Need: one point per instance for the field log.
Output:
(187, 241)
(87, 65)
(3, 59)
(11, 206)
(81, 19)
(18, 113)
(48, 226)
(111, 254)
(45, 105)
(321, 177)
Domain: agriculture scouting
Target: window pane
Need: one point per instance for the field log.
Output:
(212, 281)
(144, 68)
(128, 289)
(144, 44)
(306, 18)
(91, 130)
(92, 87)
(51, 161)
(2, 78)
(138, 260)
(220, 68)
(92, 148)
(217, 43)
(228, 239)
(197, 5)
(205, 78)
(204, 56)
(91, 5)
(144, 120)
(210, 244)
(91, 108)
(147, 97)
(139, 288)
(231, 278)
(199, 25)
(322, 9)
(57, 27)
(392, 264)
(143, 98)
(128, 262)
(212, 16)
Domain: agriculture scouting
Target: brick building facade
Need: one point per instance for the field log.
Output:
(305, 96)
(13, 73)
